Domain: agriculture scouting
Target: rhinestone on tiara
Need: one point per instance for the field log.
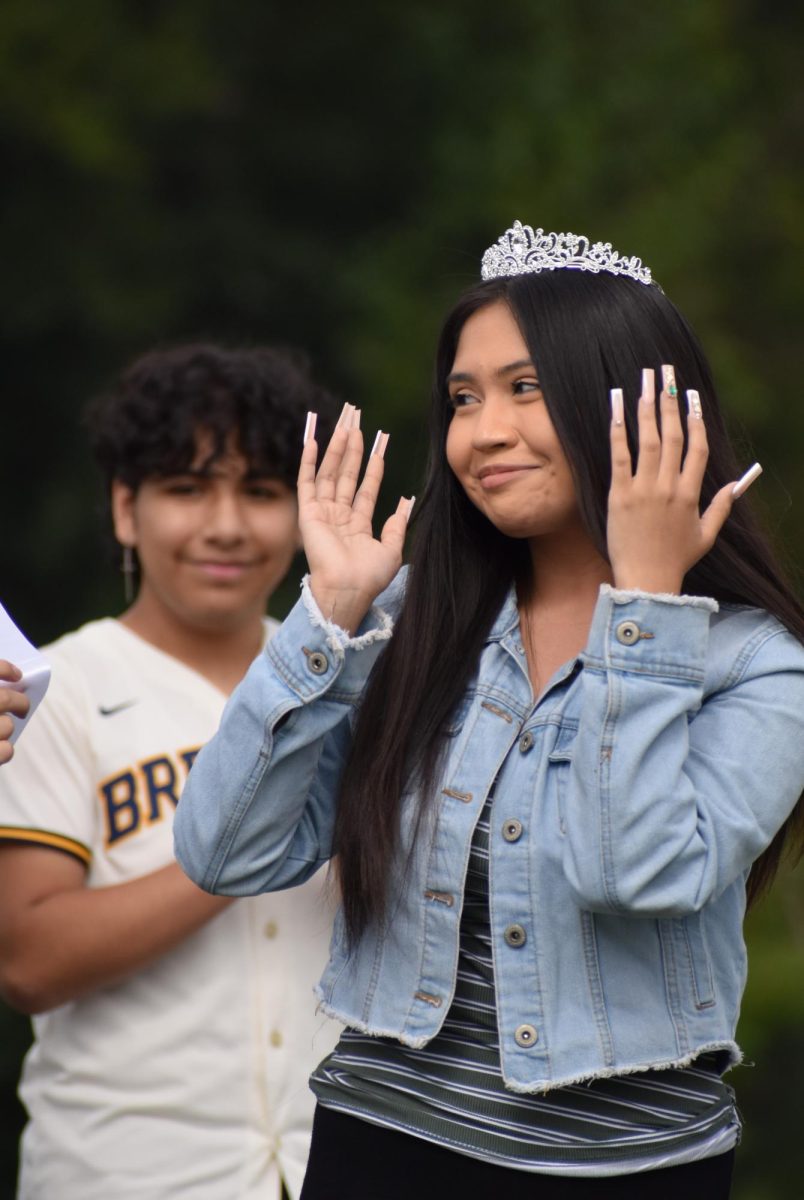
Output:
(521, 251)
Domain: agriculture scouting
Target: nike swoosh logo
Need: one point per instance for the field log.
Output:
(115, 708)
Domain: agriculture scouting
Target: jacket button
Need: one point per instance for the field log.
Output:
(526, 1036)
(627, 632)
(515, 936)
(525, 742)
(317, 662)
(512, 830)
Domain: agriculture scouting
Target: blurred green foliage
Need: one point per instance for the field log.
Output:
(327, 177)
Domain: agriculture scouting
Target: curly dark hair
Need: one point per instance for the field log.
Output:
(147, 425)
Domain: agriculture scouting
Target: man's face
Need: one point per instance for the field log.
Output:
(213, 543)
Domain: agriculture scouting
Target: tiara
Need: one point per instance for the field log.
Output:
(520, 251)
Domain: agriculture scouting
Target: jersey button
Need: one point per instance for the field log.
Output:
(525, 742)
(275, 1038)
(515, 936)
(271, 929)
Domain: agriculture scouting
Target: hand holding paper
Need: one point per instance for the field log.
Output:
(24, 678)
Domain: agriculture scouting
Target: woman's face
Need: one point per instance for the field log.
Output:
(501, 443)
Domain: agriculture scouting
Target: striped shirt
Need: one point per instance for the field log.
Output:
(451, 1091)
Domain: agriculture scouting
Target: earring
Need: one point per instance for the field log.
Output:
(129, 569)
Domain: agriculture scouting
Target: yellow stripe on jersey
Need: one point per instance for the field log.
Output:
(44, 837)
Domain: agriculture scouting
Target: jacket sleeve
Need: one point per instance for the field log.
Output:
(258, 808)
(678, 782)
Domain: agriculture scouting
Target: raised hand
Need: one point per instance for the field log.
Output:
(349, 567)
(656, 531)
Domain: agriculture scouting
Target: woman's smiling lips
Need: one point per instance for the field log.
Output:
(496, 474)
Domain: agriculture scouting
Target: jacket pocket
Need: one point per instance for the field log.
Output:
(696, 950)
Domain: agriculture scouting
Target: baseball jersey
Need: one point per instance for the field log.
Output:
(189, 1078)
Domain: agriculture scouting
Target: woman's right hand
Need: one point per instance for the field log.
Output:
(349, 567)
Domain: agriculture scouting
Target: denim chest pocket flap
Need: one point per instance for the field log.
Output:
(559, 760)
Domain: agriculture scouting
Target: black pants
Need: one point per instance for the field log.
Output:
(351, 1159)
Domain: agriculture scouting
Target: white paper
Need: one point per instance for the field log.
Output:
(16, 649)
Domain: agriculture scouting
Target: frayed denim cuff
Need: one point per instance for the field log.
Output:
(626, 595)
(650, 633)
(376, 626)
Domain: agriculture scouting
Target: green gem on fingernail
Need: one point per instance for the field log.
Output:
(672, 390)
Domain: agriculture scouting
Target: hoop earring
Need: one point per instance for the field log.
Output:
(129, 569)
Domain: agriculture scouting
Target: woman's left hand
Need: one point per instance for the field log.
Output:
(656, 531)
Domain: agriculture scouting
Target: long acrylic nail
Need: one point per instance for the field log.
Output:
(380, 442)
(616, 395)
(356, 415)
(745, 481)
(669, 380)
(409, 508)
(648, 385)
(309, 427)
(694, 404)
(345, 419)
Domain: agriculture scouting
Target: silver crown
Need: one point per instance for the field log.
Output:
(520, 251)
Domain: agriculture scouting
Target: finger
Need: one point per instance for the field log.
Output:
(6, 728)
(305, 481)
(650, 445)
(366, 499)
(395, 528)
(697, 455)
(620, 454)
(15, 702)
(351, 464)
(714, 518)
(327, 475)
(6, 752)
(9, 671)
(672, 435)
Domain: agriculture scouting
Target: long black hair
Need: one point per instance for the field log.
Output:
(585, 334)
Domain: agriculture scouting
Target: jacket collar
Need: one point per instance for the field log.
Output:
(506, 620)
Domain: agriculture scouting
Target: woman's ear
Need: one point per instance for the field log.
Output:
(122, 504)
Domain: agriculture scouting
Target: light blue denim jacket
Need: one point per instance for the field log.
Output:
(629, 804)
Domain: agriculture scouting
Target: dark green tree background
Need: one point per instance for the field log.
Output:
(327, 176)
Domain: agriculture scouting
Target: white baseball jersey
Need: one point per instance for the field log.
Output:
(190, 1077)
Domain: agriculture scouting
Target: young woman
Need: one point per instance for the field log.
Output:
(551, 791)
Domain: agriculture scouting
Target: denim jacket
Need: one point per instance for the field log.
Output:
(629, 804)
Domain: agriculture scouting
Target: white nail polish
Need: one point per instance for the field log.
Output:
(356, 414)
(648, 385)
(345, 419)
(309, 427)
(744, 483)
(694, 404)
(380, 442)
(411, 502)
(616, 396)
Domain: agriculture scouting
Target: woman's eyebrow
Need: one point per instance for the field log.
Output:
(467, 377)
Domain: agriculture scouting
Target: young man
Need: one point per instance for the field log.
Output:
(174, 1031)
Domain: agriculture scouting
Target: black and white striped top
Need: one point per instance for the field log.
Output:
(452, 1092)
